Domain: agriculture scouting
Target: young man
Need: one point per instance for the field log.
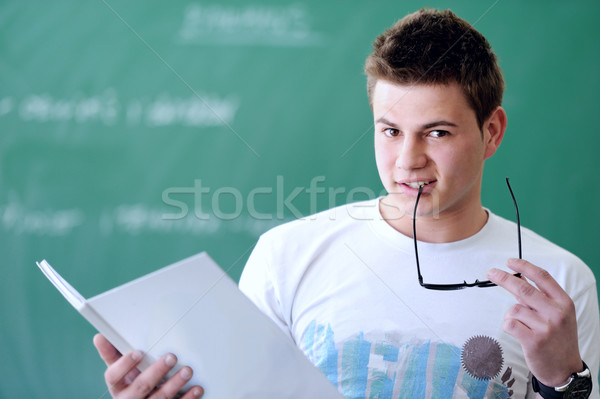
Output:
(382, 321)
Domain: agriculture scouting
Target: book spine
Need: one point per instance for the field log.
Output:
(111, 334)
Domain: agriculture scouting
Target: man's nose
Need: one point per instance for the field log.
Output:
(412, 154)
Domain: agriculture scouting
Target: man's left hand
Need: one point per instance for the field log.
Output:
(543, 321)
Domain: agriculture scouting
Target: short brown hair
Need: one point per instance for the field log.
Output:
(437, 47)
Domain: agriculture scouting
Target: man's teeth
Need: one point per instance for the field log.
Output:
(417, 184)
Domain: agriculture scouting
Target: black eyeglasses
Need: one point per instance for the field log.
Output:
(464, 284)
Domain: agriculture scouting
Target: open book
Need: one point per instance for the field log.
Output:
(194, 310)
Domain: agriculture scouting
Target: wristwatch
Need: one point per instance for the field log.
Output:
(578, 387)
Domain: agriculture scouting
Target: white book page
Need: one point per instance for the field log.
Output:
(87, 311)
(70, 293)
(193, 309)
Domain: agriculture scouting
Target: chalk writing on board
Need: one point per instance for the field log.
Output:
(16, 218)
(288, 25)
(164, 109)
(137, 219)
(202, 110)
(79, 108)
(130, 219)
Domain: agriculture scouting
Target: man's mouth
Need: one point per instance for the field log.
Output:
(417, 184)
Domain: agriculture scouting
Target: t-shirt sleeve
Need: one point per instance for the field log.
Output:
(258, 284)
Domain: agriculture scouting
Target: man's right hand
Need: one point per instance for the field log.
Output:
(124, 380)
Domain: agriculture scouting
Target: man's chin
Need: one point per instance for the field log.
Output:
(396, 206)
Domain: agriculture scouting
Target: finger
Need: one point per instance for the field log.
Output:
(542, 279)
(517, 329)
(524, 292)
(522, 322)
(175, 383)
(119, 375)
(552, 312)
(106, 350)
(194, 393)
(147, 381)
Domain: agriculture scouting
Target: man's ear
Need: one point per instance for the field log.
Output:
(493, 131)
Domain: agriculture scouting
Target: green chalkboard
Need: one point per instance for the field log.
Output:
(133, 134)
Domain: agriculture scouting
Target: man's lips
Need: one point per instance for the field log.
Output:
(412, 186)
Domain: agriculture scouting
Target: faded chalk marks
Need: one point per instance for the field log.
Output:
(248, 25)
(107, 108)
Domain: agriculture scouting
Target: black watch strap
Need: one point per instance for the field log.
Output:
(546, 391)
(581, 381)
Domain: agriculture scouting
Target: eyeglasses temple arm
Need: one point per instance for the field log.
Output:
(415, 235)
(518, 222)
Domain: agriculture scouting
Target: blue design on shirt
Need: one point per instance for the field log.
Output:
(386, 369)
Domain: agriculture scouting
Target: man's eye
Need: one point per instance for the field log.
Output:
(438, 133)
(390, 132)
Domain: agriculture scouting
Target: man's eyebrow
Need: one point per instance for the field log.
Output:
(425, 126)
(386, 122)
(439, 123)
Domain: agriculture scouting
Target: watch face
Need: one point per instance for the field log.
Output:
(580, 388)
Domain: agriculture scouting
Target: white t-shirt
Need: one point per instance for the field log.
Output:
(343, 285)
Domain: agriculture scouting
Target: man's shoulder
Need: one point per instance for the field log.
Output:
(284, 252)
(565, 266)
(533, 242)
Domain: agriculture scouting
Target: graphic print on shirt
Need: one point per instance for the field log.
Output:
(482, 357)
(384, 367)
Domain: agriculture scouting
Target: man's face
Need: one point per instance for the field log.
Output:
(428, 134)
